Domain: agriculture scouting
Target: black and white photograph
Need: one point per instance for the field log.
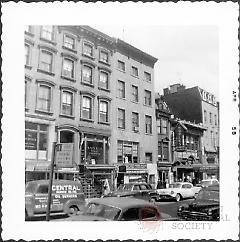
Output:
(128, 127)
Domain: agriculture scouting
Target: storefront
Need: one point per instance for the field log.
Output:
(210, 171)
(164, 175)
(183, 172)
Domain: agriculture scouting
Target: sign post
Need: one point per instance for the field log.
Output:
(50, 182)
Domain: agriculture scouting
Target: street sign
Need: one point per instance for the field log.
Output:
(64, 155)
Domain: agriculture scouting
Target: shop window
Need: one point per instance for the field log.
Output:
(147, 76)
(47, 32)
(135, 122)
(134, 93)
(148, 124)
(103, 80)
(121, 118)
(121, 65)
(148, 157)
(36, 141)
(147, 98)
(67, 103)
(121, 89)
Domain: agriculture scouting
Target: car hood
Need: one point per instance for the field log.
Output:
(166, 190)
(202, 205)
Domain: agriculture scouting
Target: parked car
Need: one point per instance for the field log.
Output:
(67, 197)
(208, 182)
(204, 207)
(178, 191)
(120, 209)
(137, 190)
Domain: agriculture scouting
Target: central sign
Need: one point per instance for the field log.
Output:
(64, 155)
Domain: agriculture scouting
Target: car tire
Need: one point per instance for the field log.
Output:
(72, 210)
(178, 197)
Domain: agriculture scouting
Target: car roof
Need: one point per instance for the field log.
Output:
(211, 188)
(122, 202)
(181, 183)
(46, 182)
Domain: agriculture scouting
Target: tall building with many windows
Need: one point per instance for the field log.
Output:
(73, 87)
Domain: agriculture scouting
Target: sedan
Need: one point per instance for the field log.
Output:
(120, 209)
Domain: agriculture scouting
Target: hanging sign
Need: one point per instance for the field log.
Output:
(64, 155)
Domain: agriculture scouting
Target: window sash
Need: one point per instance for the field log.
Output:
(135, 93)
(103, 112)
(87, 74)
(147, 76)
(47, 32)
(27, 54)
(148, 98)
(44, 98)
(121, 65)
(135, 120)
(87, 108)
(69, 42)
(88, 49)
(121, 89)
(67, 103)
(46, 60)
(148, 125)
(104, 56)
(121, 118)
(68, 68)
(103, 80)
(134, 71)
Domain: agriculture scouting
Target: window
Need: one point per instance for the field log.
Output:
(46, 61)
(128, 152)
(44, 98)
(210, 118)
(121, 65)
(148, 157)
(134, 71)
(163, 151)
(212, 139)
(68, 68)
(27, 55)
(148, 98)
(36, 141)
(134, 93)
(135, 122)
(87, 74)
(103, 80)
(88, 49)
(147, 76)
(103, 56)
(67, 103)
(162, 126)
(103, 112)
(121, 89)
(69, 42)
(47, 32)
(28, 28)
(215, 118)
(205, 116)
(86, 108)
(148, 124)
(121, 118)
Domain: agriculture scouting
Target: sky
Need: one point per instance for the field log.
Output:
(186, 54)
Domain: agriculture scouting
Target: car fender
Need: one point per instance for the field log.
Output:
(73, 202)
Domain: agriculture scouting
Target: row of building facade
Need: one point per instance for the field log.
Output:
(96, 94)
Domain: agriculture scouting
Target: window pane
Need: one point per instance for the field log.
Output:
(46, 61)
(88, 50)
(44, 98)
(104, 56)
(27, 54)
(47, 32)
(103, 80)
(68, 68)
(67, 103)
(69, 42)
(87, 74)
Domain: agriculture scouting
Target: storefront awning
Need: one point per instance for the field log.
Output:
(90, 130)
(38, 167)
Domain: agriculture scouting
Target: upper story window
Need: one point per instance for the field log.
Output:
(147, 98)
(121, 118)
(121, 65)
(87, 104)
(46, 61)
(28, 29)
(215, 117)
(44, 98)
(135, 122)
(27, 54)
(210, 118)
(87, 74)
(121, 89)
(27, 84)
(68, 69)
(69, 42)
(47, 32)
(205, 116)
(103, 111)
(148, 124)
(103, 80)
(148, 157)
(134, 71)
(104, 56)
(147, 76)
(67, 103)
(88, 49)
(162, 126)
(134, 93)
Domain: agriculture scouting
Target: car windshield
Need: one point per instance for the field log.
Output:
(102, 210)
(175, 185)
(208, 195)
(126, 187)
